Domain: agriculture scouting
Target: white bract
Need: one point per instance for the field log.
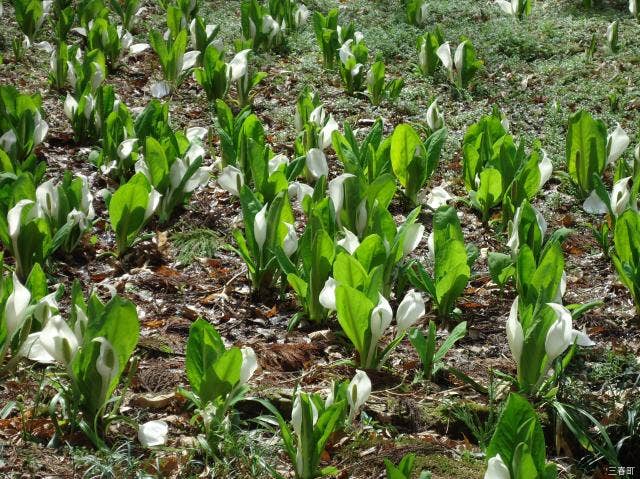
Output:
(379, 320)
(453, 63)
(16, 306)
(514, 241)
(58, 340)
(298, 191)
(324, 137)
(350, 241)
(327, 297)
(437, 197)
(238, 67)
(231, 179)
(336, 193)
(358, 392)
(413, 237)
(545, 167)
(410, 309)
(290, 242)
(617, 143)
(106, 364)
(301, 15)
(317, 163)
(435, 118)
(260, 227)
(277, 162)
(249, 364)
(561, 334)
(619, 198)
(497, 469)
(515, 333)
(153, 433)
(510, 8)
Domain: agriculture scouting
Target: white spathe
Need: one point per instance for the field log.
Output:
(324, 137)
(59, 341)
(316, 163)
(380, 320)
(125, 149)
(497, 469)
(153, 433)
(438, 197)
(249, 364)
(546, 169)
(435, 119)
(327, 297)
(619, 198)
(238, 66)
(260, 227)
(561, 334)
(107, 364)
(47, 199)
(412, 238)
(231, 180)
(350, 241)
(152, 204)
(358, 392)
(515, 334)
(16, 306)
(277, 162)
(444, 54)
(410, 309)
(298, 191)
(336, 192)
(290, 241)
(617, 143)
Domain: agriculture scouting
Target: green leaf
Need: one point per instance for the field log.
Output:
(348, 271)
(405, 144)
(518, 423)
(204, 347)
(354, 311)
(586, 150)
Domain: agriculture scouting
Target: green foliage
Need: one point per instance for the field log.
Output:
(426, 347)
(404, 469)
(626, 257)
(518, 443)
(416, 12)
(326, 30)
(414, 161)
(174, 60)
(127, 11)
(428, 45)
(265, 230)
(130, 208)
(212, 75)
(22, 129)
(586, 152)
(452, 263)
(30, 15)
(497, 172)
(367, 160)
(217, 375)
(378, 88)
(313, 421)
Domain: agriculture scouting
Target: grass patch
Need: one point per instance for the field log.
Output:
(196, 243)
